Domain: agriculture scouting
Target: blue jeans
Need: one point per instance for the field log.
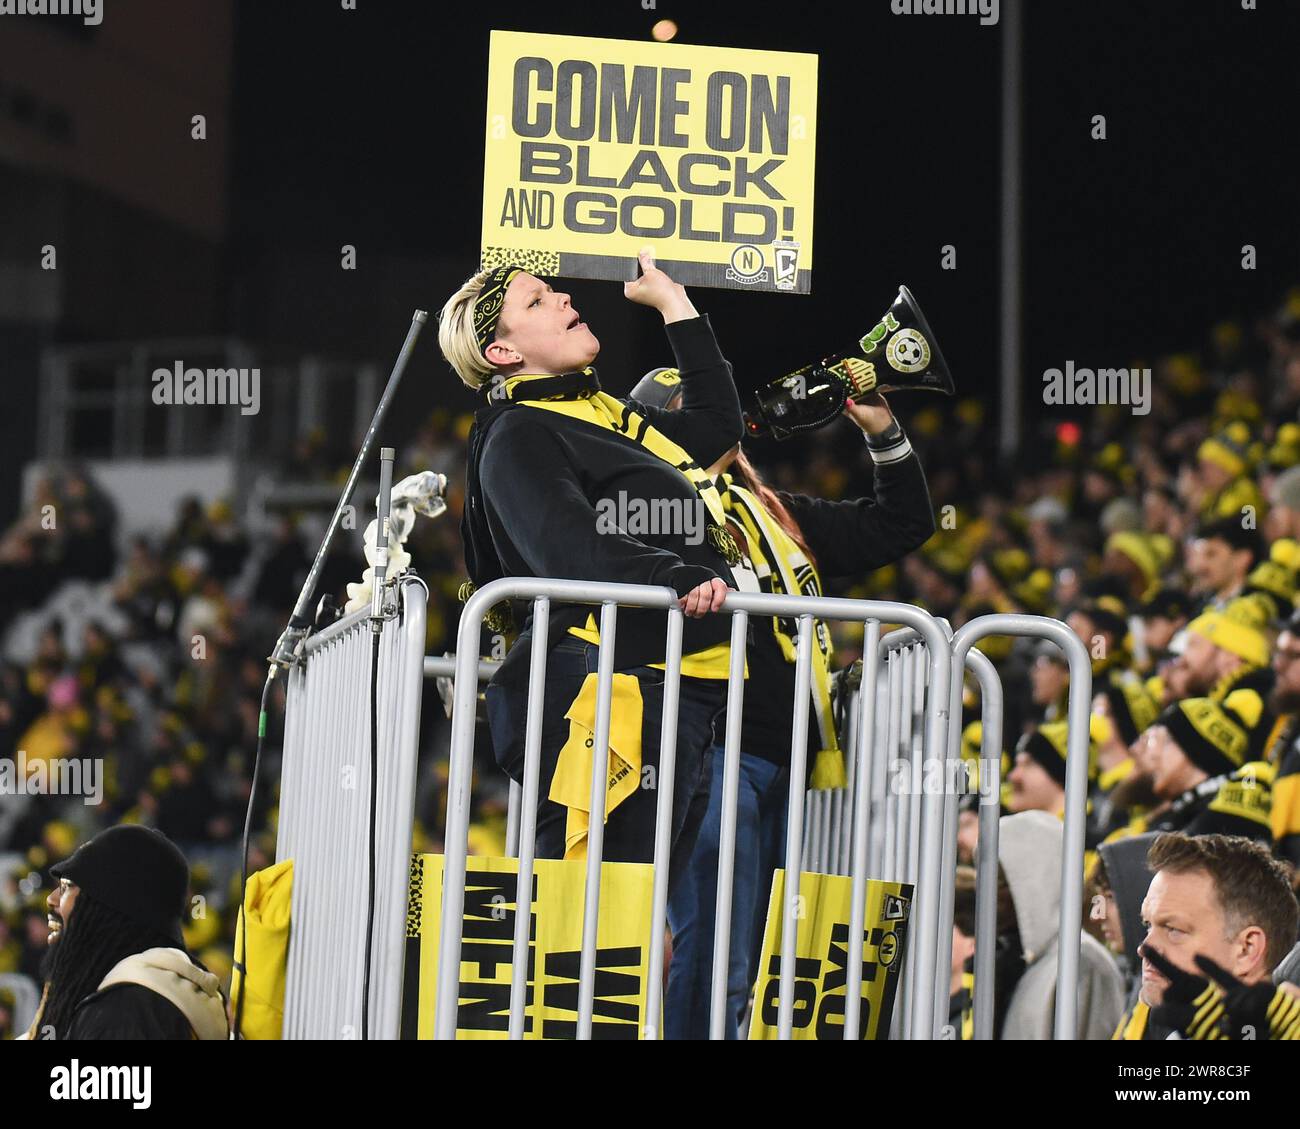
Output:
(692, 904)
(630, 828)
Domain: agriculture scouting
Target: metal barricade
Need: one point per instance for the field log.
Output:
(926, 731)
(324, 823)
(923, 993)
(891, 823)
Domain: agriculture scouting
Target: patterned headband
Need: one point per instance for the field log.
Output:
(487, 308)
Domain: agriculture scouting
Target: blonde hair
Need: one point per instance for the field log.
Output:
(456, 337)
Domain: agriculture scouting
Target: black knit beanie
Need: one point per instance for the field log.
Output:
(137, 871)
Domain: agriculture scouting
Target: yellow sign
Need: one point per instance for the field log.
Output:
(597, 147)
(555, 946)
(822, 957)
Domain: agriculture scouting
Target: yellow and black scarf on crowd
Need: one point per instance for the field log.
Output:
(1133, 1023)
(782, 567)
(578, 395)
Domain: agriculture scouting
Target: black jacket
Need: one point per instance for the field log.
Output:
(128, 1011)
(535, 478)
(848, 539)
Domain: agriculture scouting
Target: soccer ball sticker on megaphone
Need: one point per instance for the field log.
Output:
(908, 351)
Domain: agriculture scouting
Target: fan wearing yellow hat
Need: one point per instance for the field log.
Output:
(1224, 463)
(1275, 585)
(1227, 654)
(1139, 559)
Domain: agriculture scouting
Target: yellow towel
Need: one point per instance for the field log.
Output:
(267, 903)
(571, 786)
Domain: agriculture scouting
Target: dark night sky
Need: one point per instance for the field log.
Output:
(367, 127)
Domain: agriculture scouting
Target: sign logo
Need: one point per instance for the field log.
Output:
(747, 267)
(887, 950)
(786, 255)
(895, 908)
(909, 351)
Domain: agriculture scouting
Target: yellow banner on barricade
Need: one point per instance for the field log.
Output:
(822, 957)
(555, 947)
(596, 147)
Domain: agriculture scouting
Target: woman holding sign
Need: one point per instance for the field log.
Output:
(790, 539)
(552, 459)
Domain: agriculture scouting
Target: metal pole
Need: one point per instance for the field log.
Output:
(986, 869)
(727, 839)
(948, 892)
(794, 830)
(858, 868)
(1069, 940)
(386, 458)
(526, 838)
(1012, 218)
(663, 819)
(929, 876)
(918, 775)
(899, 756)
(596, 821)
(512, 818)
(882, 741)
(444, 666)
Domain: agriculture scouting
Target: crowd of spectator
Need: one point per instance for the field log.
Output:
(1169, 541)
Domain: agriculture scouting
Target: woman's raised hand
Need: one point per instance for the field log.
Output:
(870, 412)
(655, 289)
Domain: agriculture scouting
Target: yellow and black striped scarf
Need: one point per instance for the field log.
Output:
(782, 567)
(579, 396)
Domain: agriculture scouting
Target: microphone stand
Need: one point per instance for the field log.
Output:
(284, 655)
(300, 623)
